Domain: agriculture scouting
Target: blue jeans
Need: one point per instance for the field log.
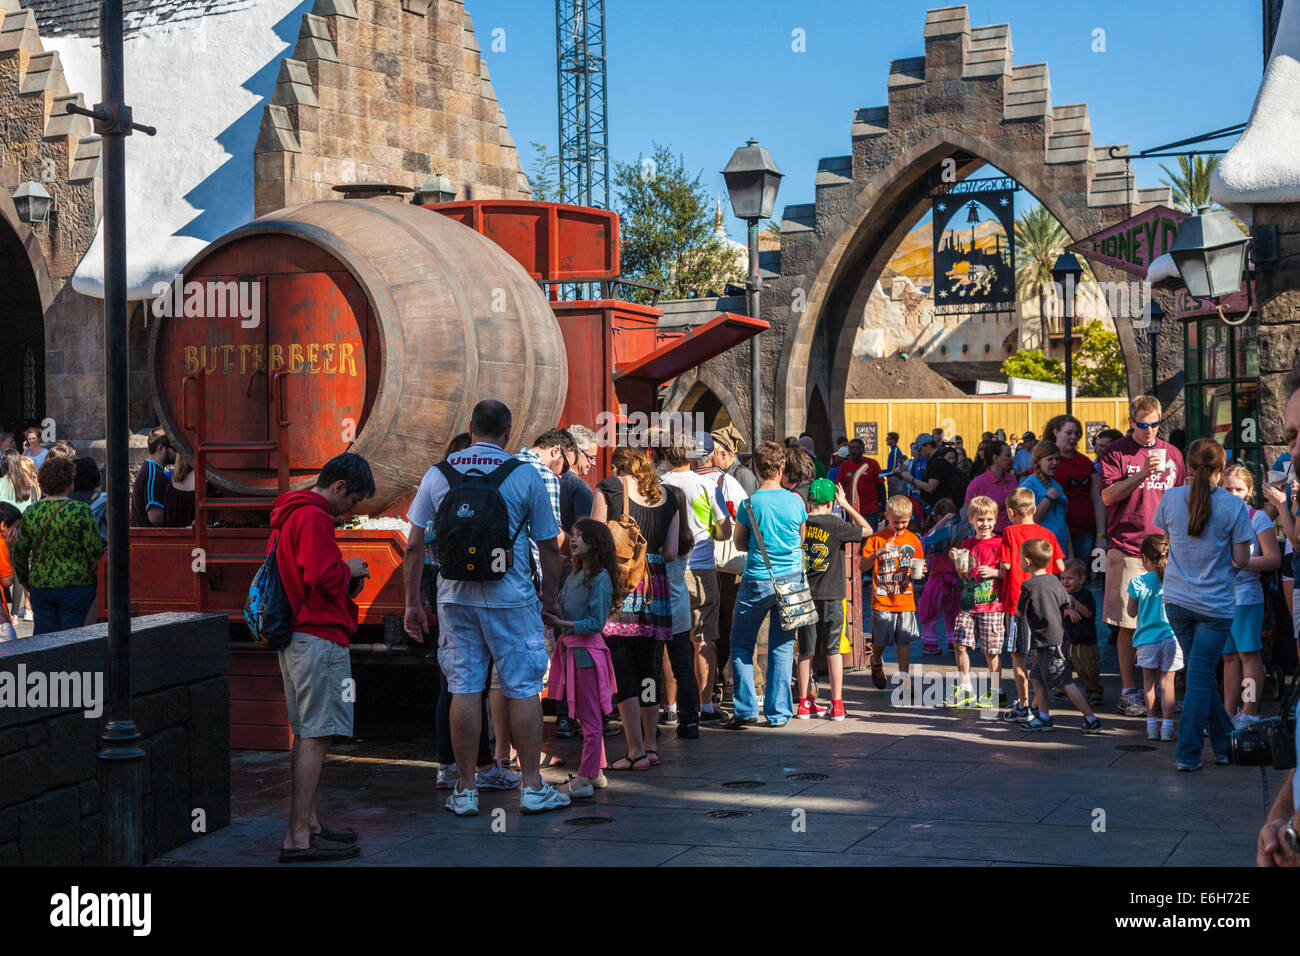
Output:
(1082, 546)
(1202, 638)
(755, 599)
(58, 609)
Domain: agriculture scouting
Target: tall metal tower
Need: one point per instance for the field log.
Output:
(584, 131)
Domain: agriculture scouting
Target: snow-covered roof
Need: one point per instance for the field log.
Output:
(1263, 166)
(201, 75)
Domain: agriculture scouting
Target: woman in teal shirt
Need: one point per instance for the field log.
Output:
(1049, 495)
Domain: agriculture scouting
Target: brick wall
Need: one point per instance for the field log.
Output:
(50, 794)
(378, 90)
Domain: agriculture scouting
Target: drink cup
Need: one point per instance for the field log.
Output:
(918, 568)
(1161, 457)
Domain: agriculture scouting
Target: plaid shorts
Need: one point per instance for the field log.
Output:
(986, 631)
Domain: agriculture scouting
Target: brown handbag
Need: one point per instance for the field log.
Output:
(629, 546)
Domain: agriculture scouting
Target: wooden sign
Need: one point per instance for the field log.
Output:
(869, 433)
(1092, 430)
(1188, 307)
(1132, 245)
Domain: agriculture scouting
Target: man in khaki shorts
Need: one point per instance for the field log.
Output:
(316, 666)
(1136, 471)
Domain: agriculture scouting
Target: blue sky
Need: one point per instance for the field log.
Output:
(704, 76)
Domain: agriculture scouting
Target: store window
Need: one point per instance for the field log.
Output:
(1222, 386)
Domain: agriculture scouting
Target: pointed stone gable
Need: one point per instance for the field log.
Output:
(384, 90)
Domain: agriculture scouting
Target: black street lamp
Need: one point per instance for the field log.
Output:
(33, 203)
(1066, 273)
(1209, 252)
(752, 181)
(1155, 319)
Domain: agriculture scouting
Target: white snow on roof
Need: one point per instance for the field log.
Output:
(202, 82)
(1263, 166)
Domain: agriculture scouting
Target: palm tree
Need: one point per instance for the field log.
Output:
(1191, 184)
(1039, 240)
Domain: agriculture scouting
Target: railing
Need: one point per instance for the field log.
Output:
(203, 505)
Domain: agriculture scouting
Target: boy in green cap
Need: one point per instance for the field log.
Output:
(823, 547)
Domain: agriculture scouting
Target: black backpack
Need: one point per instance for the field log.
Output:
(472, 539)
(267, 611)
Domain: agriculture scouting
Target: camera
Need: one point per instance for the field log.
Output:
(1269, 742)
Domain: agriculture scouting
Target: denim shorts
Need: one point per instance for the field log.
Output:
(1165, 655)
(318, 689)
(512, 639)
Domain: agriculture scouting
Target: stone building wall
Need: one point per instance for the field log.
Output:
(378, 90)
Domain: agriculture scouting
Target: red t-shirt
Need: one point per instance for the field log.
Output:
(1129, 521)
(6, 569)
(1015, 536)
(1075, 476)
(866, 501)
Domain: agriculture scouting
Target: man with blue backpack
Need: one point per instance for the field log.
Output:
(480, 501)
(318, 587)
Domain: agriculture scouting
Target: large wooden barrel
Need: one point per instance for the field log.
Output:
(370, 325)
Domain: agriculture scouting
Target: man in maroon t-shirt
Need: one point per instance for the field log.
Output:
(858, 476)
(1136, 471)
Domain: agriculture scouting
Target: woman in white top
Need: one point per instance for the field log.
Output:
(19, 487)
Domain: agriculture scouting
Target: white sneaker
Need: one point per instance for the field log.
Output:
(498, 778)
(448, 777)
(541, 800)
(463, 803)
(1167, 732)
(1241, 719)
(27, 615)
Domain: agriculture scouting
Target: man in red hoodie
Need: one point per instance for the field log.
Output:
(316, 666)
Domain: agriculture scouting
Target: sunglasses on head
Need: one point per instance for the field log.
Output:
(1145, 425)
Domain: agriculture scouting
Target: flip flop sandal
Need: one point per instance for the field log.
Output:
(337, 836)
(653, 756)
(320, 854)
(631, 763)
(553, 760)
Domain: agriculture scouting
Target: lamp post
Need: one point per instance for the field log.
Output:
(752, 181)
(1209, 252)
(121, 759)
(1155, 319)
(33, 203)
(436, 189)
(1065, 273)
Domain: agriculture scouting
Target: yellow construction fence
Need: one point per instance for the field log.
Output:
(971, 417)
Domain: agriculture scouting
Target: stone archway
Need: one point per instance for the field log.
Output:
(26, 290)
(960, 105)
(701, 390)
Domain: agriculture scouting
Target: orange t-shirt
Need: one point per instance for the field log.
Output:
(892, 578)
(6, 569)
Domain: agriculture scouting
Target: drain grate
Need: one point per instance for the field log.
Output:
(587, 821)
(1134, 748)
(744, 784)
(728, 814)
(807, 777)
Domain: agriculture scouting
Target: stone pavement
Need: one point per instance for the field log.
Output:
(886, 787)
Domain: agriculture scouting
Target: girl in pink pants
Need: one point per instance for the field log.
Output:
(582, 671)
(942, 592)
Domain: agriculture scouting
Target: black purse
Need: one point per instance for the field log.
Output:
(794, 599)
(1268, 742)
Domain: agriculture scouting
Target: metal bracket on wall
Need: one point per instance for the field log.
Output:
(112, 121)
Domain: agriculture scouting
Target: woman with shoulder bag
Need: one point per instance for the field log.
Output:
(57, 551)
(635, 633)
(771, 526)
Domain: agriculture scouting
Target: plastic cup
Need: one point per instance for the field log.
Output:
(918, 568)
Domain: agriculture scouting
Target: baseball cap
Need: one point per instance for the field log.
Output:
(821, 491)
(925, 438)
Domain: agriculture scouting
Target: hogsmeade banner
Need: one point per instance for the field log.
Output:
(1132, 245)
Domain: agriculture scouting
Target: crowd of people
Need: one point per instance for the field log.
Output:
(686, 588)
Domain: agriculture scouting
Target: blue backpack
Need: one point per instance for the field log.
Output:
(267, 612)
